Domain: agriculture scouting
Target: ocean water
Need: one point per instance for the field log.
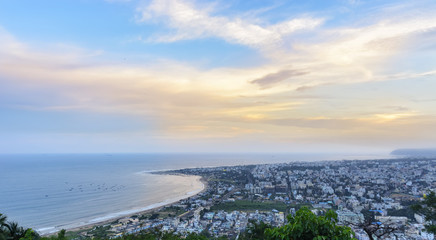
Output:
(55, 191)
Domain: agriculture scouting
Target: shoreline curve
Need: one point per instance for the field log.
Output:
(47, 231)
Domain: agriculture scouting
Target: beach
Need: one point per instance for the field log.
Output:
(197, 183)
(67, 191)
(145, 210)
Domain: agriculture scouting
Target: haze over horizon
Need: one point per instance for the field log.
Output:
(217, 76)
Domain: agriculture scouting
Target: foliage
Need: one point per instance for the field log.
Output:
(428, 209)
(404, 212)
(12, 231)
(245, 205)
(255, 231)
(60, 236)
(30, 235)
(15, 232)
(2, 227)
(156, 234)
(307, 226)
(101, 232)
(373, 228)
(163, 213)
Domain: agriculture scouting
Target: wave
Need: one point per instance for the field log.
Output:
(116, 215)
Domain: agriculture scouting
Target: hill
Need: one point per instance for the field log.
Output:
(415, 152)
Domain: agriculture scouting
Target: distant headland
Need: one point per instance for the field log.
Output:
(415, 152)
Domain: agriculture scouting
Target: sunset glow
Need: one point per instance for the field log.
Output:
(211, 76)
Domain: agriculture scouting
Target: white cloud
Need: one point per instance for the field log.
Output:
(191, 22)
(216, 101)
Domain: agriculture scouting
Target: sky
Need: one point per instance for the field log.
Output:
(103, 76)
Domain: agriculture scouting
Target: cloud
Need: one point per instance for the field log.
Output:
(354, 2)
(271, 79)
(376, 41)
(304, 88)
(183, 102)
(326, 123)
(191, 22)
(397, 108)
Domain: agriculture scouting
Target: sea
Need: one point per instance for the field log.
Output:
(49, 192)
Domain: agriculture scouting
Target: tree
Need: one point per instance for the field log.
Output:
(2, 227)
(373, 228)
(15, 232)
(61, 235)
(12, 231)
(428, 209)
(255, 231)
(307, 226)
(30, 235)
(2, 220)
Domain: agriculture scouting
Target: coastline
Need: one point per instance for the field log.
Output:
(78, 227)
(149, 207)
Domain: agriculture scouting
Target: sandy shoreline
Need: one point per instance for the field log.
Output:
(140, 211)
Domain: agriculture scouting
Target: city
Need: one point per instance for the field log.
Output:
(218, 120)
(236, 195)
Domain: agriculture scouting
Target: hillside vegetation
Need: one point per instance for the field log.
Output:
(303, 226)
